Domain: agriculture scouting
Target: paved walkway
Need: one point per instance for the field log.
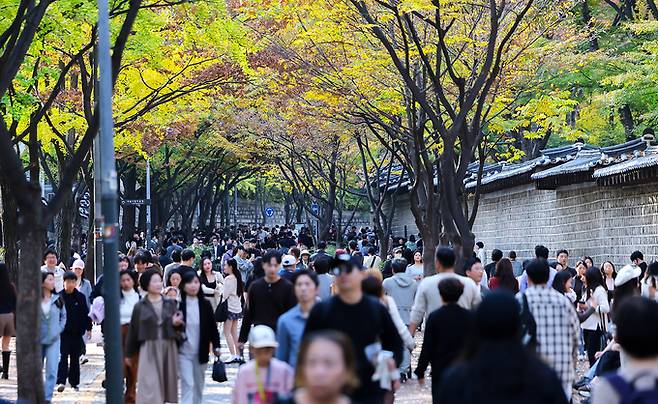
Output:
(91, 376)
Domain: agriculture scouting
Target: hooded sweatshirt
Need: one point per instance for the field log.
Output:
(402, 288)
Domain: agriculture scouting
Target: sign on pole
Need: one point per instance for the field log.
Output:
(315, 208)
(269, 212)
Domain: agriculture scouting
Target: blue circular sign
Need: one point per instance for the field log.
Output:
(269, 212)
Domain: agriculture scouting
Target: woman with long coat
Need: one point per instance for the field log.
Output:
(154, 328)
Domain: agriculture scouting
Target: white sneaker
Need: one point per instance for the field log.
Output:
(60, 388)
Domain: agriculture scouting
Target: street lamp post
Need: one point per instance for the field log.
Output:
(109, 208)
(148, 203)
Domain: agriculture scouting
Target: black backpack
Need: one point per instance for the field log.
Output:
(528, 326)
(628, 393)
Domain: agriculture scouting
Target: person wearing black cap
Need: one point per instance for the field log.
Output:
(362, 318)
(497, 367)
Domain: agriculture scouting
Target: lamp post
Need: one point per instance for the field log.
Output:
(109, 209)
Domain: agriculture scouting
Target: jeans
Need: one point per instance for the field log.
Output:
(406, 361)
(70, 350)
(51, 354)
(191, 374)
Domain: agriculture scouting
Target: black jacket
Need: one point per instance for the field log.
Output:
(77, 314)
(266, 302)
(208, 333)
(449, 329)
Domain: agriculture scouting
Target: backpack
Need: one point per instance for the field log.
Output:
(628, 393)
(528, 326)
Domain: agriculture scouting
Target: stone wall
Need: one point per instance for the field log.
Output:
(404, 223)
(606, 223)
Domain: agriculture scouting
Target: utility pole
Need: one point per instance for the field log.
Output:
(112, 335)
(148, 202)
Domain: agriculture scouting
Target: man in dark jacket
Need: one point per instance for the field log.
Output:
(446, 332)
(77, 324)
(363, 319)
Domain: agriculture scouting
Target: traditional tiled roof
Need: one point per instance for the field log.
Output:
(642, 159)
(557, 166)
(583, 162)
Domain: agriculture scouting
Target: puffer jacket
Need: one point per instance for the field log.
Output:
(53, 324)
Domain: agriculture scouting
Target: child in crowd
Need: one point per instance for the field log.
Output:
(263, 379)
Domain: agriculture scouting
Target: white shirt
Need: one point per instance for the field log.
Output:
(593, 321)
(190, 347)
(130, 299)
(428, 298)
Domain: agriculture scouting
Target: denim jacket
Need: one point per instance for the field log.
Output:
(53, 324)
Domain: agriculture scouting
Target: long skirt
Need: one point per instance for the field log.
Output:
(157, 375)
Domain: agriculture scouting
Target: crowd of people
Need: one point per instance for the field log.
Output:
(337, 325)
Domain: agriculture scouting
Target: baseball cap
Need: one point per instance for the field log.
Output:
(305, 252)
(346, 262)
(262, 336)
(78, 264)
(288, 260)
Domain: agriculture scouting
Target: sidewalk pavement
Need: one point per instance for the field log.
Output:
(92, 375)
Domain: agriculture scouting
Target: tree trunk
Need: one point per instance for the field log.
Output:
(626, 118)
(28, 345)
(654, 10)
(63, 230)
(587, 22)
(10, 231)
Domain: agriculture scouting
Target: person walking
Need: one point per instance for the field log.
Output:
(53, 321)
(212, 283)
(362, 318)
(263, 379)
(596, 324)
(78, 324)
(402, 288)
(82, 285)
(50, 260)
(290, 326)
(372, 285)
(7, 316)
(201, 331)
(636, 333)
(233, 290)
(447, 332)
(129, 298)
(503, 277)
(416, 270)
(326, 370)
(267, 298)
(372, 260)
(152, 334)
(322, 266)
(497, 367)
(428, 300)
(557, 325)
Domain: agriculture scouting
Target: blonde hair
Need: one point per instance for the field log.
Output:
(375, 273)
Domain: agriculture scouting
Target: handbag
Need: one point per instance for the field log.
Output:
(219, 371)
(221, 312)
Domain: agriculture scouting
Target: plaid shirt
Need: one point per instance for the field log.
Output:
(557, 330)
